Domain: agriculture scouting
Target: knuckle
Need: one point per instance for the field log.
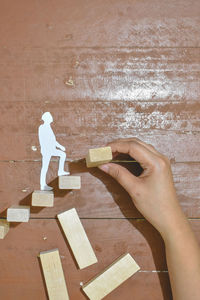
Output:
(115, 173)
(151, 146)
(163, 162)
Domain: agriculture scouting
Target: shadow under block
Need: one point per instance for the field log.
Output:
(104, 283)
(69, 182)
(77, 238)
(4, 228)
(18, 213)
(98, 156)
(53, 274)
(43, 198)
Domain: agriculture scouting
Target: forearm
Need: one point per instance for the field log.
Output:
(183, 260)
(58, 145)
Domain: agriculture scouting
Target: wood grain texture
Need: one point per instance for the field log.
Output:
(4, 228)
(99, 197)
(69, 182)
(80, 126)
(42, 198)
(53, 274)
(18, 213)
(105, 70)
(77, 238)
(98, 156)
(99, 74)
(112, 277)
(115, 23)
(111, 238)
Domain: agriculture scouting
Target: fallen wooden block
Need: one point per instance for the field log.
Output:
(104, 283)
(77, 238)
(18, 213)
(43, 198)
(4, 228)
(98, 156)
(53, 274)
(69, 182)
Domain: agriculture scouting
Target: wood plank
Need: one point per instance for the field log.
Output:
(99, 197)
(77, 118)
(112, 277)
(99, 74)
(77, 238)
(53, 274)
(77, 132)
(179, 147)
(119, 23)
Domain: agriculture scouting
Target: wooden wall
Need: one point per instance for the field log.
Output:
(104, 69)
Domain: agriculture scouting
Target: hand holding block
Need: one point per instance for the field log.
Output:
(4, 228)
(104, 283)
(53, 274)
(69, 182)
(18, 213)
(43, 198)
(77, 238)
(98, 156)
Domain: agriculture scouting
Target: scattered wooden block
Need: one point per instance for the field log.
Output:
(18, 213)
(77, 238)
(53, 274)
(43, 198)
(104, 283)
(69, 182)
(98, 156)
(4, 228)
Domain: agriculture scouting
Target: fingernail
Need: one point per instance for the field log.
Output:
(104, 168)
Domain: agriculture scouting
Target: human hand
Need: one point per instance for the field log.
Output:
(153, 192)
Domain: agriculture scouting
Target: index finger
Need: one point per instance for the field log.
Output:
(136, 150)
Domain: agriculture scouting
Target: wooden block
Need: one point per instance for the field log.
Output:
(43, 198)
(53, 274)
(18, 213)
(104, 283)
(4, 228)
(69, 182)
(98, 156)
(77, 238)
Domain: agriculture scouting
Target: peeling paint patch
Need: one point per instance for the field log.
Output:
(34, 148)
(70, 81)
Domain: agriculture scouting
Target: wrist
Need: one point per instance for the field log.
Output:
(177, 226)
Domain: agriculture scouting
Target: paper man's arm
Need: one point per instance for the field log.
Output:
(60, 146)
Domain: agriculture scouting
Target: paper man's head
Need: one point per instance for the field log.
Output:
(47, 117)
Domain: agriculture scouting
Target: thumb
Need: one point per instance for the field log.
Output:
(122, 175)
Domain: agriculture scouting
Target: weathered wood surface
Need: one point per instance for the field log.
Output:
(105, 70)
(99, 74)
(172, 128)
(21, 278)
(122, 23)
(99, 197)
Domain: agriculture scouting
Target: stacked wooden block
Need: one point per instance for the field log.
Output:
(103, 283)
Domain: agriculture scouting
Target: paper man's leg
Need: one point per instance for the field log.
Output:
(44, 169)
(62, 156)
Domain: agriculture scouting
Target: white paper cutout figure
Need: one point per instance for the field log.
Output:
(49, 147)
